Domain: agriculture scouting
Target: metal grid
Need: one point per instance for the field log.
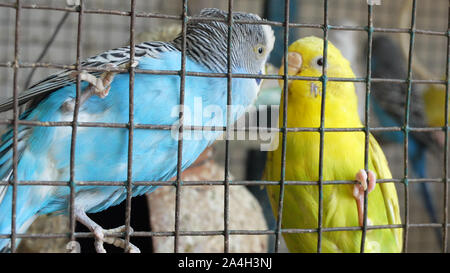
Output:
(16, 65)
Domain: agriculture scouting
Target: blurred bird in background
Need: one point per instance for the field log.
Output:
(101, 153)
(434, 100)
(343, 157)
(433, 95)
(388, 103)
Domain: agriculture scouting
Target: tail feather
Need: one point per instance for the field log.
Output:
(25, 213)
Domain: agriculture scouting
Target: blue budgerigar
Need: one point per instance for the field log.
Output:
(389, 100)
(101, 153)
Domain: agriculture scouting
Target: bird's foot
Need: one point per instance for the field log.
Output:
(358, 190)
(97, 86)
(105, 236)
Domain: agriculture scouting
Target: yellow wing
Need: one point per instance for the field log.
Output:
(388, 190)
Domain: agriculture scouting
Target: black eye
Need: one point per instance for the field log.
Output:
(260, 50)
(320, 61)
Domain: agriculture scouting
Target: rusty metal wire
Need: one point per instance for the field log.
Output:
(72, 220)
(81, 10)
(226, 206)
(366, 115)
(279, 215)
(446, 145)
(406, 122)
(181, 128)
(15, 126)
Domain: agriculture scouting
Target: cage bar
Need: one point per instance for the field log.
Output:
(15, 125)
(324, 81)
(74, 125)
(367, 119)
(129, 186)
(446, 145)
(181, 128)
(226, 205)
(283, 130)
(214, 182)
(406, 123)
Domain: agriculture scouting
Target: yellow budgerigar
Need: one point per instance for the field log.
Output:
(343, 157)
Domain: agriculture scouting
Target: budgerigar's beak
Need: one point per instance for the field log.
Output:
(294, 66)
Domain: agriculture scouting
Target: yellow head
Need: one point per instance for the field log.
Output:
(305, 58)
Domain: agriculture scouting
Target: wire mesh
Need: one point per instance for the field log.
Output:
(15, 125)
(133, 13)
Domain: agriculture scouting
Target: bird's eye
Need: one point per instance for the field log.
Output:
(320, 61)
(260, 50)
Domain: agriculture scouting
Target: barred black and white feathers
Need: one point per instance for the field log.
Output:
(204, 38)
